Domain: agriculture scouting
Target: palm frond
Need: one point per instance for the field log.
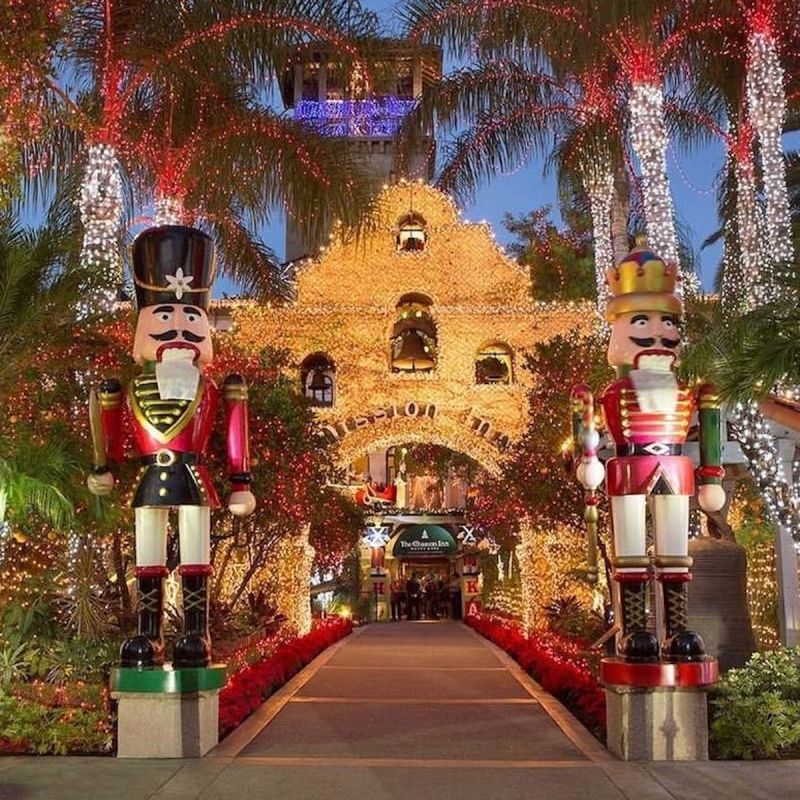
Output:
(37, 479)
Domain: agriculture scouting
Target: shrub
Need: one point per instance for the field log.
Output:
(756, 709)
(28, 727)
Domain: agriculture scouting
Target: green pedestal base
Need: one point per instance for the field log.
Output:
(166, 680)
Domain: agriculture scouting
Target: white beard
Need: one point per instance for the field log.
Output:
(177, 376)
(655, 383)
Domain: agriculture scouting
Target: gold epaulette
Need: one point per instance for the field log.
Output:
(708, 397)
(234, 388)
(110, 394)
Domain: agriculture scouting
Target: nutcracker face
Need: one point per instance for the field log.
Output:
(171, 326)
(644, 340)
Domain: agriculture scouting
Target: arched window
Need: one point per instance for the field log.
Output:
(494, 364)
(411, 234)
(414, 335)
(318, 379)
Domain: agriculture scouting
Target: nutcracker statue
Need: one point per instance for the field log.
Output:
(647, 412)
(170, 407)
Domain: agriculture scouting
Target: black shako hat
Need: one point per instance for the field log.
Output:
(173, 263)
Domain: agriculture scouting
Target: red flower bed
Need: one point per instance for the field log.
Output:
(556, 662)
(253, 683)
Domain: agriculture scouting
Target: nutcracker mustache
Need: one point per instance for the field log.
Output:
(168, 336)
(670, 344)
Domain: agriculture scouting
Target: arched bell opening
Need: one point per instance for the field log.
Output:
(412, 236)
(413, 338)
(318, 380)
(494, 364)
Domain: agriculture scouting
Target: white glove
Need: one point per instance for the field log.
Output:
(242, 503)
(100, 484)
(711, 497)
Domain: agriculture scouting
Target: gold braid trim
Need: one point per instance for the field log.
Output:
(235, 392)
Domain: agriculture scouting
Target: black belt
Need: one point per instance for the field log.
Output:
(168, 458)
(649, 449)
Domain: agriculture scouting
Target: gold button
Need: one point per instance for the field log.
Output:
(164, 476)
(163, 491)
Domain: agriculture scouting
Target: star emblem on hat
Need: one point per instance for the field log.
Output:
(179, 282)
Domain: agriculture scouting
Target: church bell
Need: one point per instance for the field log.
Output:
(413, 356)
(718, 608)
(494, 371)
(318, 382)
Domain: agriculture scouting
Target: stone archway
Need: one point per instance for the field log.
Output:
(441, 430)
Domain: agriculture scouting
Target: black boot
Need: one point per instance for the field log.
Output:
(147, 648)
(193, 649)
(637, 644)
(680, 644)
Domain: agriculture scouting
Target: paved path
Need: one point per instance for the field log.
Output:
(406, 711)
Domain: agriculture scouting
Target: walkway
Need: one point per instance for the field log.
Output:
(427, 711)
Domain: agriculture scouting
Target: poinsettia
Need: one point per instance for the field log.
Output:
(253, 682)
(556, 662)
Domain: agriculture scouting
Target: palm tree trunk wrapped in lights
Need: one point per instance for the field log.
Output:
(649, 139)
(101, 214)
(749, 221)
(600, 188)
(766, 102)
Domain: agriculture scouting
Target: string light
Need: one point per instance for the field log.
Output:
(760, 447)
(601, 194)
(295, 560)
(100, 206)
(749, 220)
(649, 139)
(168, 211)
(381, 116)
(766, 103)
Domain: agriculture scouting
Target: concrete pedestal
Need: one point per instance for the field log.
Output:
(167, 713)
(167, 725)
(657, 724)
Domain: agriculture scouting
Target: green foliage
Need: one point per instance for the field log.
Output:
(34, 647)
(442, 462)
(66, 660)
(566, 615)
(13, 664)
(756, 709)
(33, 728)
(560, 260)
(40, 284)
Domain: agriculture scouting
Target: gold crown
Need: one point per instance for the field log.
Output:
(642, 282)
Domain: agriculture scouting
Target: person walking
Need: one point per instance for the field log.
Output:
(397, 597)
(455, 596)
(443, 594)
(412, 593)
(431, 598)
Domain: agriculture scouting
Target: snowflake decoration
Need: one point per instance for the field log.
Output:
(376, 535)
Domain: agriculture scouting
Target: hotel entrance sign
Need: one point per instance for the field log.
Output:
(424, 540)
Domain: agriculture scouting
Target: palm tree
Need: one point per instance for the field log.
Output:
(124, 63)
(41, 286)
(565, 79)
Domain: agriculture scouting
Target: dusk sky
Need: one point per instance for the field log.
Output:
(693, 178)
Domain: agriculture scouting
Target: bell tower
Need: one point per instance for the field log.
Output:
(319, 91)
